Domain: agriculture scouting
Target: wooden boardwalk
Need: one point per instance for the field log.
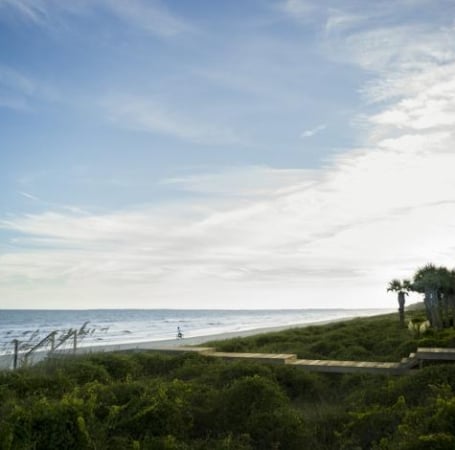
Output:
(270, 358)
(328, 366)
(434, 354)
(414, 360)
(318, 365)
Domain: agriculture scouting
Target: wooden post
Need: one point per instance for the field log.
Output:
(75, 341)
(52, 339)
(401, 301)
(16, 353)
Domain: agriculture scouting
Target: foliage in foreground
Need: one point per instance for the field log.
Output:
(149, 401)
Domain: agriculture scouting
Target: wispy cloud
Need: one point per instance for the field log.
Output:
(299, 233)
(19, 91)
(429, 108)
(31, 10)
(299, 9)
(247, 182)
(15, 89)
(338, 20)
(12, 79)
(149, 16)
(369, 214)
(407, 48)
(150, 116)
(313, 131)
(29, 196)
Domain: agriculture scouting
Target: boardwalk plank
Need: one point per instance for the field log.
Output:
(442, 354)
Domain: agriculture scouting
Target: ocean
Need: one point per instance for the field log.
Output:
(123, 326)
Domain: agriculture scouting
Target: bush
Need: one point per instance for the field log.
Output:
(141, 400)
(281, 428)
(247, 396)
(118, 365)
(48, 425)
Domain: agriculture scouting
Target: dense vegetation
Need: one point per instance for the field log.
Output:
(378, 338)
(149, 401)
(438, 286)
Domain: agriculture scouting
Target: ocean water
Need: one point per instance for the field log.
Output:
(122, 326)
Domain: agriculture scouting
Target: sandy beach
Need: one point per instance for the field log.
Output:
(199, 340)
(6, 361)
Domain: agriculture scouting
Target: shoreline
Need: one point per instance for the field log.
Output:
(198, 340)
(176, 344)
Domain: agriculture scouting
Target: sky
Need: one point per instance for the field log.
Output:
(241, 154)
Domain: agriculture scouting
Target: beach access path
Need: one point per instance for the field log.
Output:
(415, 360)
(312, 365)
(328, 366)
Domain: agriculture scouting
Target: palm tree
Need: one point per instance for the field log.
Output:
(402, 288)
(437, 284)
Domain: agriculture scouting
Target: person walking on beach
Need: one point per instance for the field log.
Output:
(179, 333)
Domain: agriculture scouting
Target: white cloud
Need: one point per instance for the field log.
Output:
(244, 181)
(395, 48)
(337, 233)
(432, 107)
(339, 20)
(313, 131)
(372, 215)
(29, 196)
(299, 9)
(264, 236)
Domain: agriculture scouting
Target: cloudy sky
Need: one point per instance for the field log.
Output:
(215, 154)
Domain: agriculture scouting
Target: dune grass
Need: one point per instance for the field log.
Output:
(377, 338)
(144, 400)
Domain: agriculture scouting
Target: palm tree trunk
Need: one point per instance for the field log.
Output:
(451, 306)
(432, 307)
(427, 303)
(401, 301)
(445, 310)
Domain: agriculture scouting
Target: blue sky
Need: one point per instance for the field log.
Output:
(262, 153)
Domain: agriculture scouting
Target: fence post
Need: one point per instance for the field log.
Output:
(52, 338)
(16, 353)
(75, 342)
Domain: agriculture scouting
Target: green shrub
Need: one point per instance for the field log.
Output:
(118, 365)
(280, 428)
(49, 425)
(247, 396)
(300, 385)
(144, 400)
